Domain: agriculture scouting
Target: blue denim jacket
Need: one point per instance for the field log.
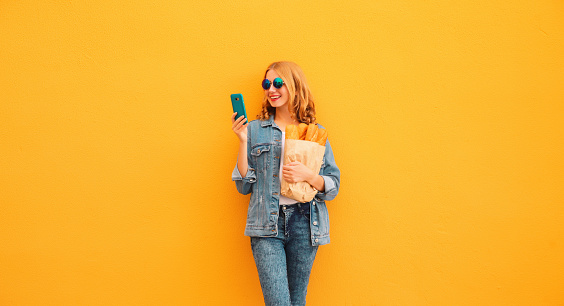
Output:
(264, 154)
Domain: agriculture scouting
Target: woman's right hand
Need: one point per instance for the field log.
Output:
(239, 126)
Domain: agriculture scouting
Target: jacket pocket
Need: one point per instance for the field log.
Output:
(259, 149)
(259, 153)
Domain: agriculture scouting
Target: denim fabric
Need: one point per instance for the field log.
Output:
(262, 181)
(284, 262)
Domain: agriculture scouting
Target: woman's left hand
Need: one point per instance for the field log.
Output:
(295, 172)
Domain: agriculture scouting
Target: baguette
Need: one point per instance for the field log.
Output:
(292, 132)
(302, 130)
(311, 134)
(306, 132)
(321, 137)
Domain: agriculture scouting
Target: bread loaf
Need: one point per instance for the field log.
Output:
(307, 132)
(302, 130)
(311, 134)
(292, 132)
(321, 137)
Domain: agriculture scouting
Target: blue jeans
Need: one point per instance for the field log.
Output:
(284, 262)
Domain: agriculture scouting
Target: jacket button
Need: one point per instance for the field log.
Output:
(258, 151)
(314, 222)
(316, 240)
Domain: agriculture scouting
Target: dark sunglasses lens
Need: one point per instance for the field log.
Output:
(278, 83)
(266, 84)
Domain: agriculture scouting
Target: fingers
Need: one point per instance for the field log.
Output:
(239, 127)
(295, 172)
(233, 117)
(237, 124)
(240, 124)
(287, 176)
(291, 165)
(291, 177)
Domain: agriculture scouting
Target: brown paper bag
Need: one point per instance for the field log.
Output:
(311, 155)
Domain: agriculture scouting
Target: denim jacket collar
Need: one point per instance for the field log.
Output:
(267, 122)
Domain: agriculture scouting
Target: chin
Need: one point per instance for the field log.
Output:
(277, 103)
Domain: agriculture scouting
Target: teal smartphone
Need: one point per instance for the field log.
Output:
(238, 105)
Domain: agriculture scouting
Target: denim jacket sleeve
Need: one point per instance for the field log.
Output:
(331, 175)
(245, 184)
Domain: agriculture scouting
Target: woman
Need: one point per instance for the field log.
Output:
(284, 234)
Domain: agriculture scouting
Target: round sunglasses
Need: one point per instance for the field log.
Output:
(278, 83)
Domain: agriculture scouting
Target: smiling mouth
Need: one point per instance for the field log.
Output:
(274, 98)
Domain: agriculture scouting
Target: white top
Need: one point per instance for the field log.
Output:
(284, 200)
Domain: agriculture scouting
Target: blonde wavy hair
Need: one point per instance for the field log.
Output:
(300, 102)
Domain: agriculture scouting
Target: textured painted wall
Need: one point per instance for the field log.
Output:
(446, 119)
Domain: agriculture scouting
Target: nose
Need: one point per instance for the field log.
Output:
(272, 88)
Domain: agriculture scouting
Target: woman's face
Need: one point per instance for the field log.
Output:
(276, 96)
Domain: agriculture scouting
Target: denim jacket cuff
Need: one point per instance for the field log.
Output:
(330, 186)
(249, 178)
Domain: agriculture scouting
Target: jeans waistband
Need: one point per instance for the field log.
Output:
(298, 206)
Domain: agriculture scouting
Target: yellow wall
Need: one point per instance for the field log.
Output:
(446, 119)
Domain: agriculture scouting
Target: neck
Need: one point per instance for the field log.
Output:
(283, 118)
